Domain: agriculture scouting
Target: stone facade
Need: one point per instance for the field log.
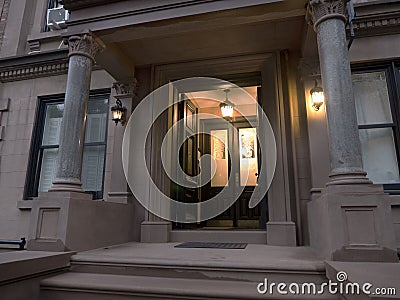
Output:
(36, 64)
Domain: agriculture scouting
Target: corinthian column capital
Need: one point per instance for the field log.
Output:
(327, 9)
(85, 44)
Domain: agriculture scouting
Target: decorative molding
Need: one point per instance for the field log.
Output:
(29, 71)
(326, 9)
(34, 46)
(85, 45)
(377, 24)
(125, 90)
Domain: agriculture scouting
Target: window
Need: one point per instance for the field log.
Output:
(45, 142)
(376, 91)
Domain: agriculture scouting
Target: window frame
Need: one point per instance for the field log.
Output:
(31, 189)
(392, 71)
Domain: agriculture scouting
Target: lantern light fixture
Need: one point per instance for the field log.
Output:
(317, 96)
(118, 112)
(227, 107)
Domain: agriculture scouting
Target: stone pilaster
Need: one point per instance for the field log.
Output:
(82, 50)
(119, 190)
(351, 220)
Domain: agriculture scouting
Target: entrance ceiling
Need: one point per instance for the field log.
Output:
(199, 44)
(256, 29)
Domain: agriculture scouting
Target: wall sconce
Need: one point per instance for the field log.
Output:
(118, 112)
(317, 96)
(226, 106)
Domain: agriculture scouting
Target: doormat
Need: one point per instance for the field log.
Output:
(212, 245)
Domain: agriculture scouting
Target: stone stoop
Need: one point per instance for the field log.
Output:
(218, 274)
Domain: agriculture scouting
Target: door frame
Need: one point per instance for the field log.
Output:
(266, 66)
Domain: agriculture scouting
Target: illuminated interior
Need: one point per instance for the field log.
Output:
(234, 150)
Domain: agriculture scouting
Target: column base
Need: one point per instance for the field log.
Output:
(61, 185)
(281, 234)
(155, 231)
(348, 178)
(70, 221)
(352, 223)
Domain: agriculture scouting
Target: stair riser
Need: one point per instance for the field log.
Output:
(204, 273)
(50, 294)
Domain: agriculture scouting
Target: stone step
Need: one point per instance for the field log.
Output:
(90, 286)
(280, 271)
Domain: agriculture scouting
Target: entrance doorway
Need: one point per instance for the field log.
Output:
(230, 144)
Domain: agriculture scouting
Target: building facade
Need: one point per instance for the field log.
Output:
(337, 166)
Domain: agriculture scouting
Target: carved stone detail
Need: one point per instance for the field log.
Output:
(380, 23)
(34, 46)
(326, 9)
(33, 71)
(85, 44)
(124, 89)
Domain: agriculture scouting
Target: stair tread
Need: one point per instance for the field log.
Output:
(305, 267)
(99, 283)
(255, 257)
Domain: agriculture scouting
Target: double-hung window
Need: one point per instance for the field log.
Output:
(45, 143)
(376, 91)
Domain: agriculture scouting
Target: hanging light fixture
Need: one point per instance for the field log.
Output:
(317, 96)
(118, 112)
(226, 106)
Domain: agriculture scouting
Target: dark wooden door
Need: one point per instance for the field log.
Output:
(236, 152)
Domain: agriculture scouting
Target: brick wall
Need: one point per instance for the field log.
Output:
(4, 7)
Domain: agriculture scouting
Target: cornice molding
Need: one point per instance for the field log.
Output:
(33, 66)
(377, 24)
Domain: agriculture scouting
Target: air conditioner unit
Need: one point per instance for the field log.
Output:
(56, 18)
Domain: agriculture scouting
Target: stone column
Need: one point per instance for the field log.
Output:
(329, 18)
(351, 220)
(82, 49)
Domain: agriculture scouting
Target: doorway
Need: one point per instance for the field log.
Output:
(231, 142)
